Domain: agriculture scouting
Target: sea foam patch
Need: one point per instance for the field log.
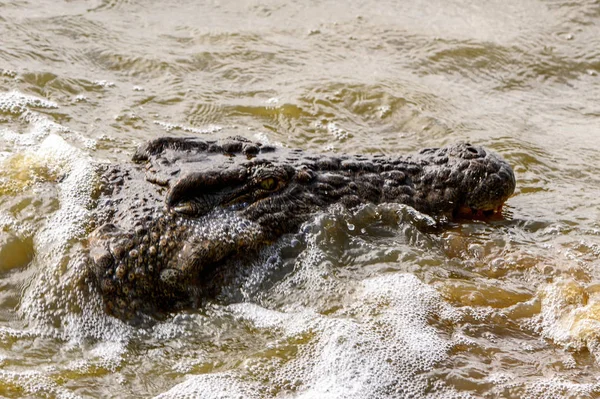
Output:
(570, 315)
(23, 108)
(56, 301)
(212, 386)
(379, 346)
(58, 295)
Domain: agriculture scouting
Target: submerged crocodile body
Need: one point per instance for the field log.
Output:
(186, 206)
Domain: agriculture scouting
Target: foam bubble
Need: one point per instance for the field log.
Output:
(212, 386)
(555, 388)
(20, 106)
(570, 315)
(169, 127)
(15, 102)
(104, 83)
(376, 347)
(34, 383)
(57, 301)
(23, 107)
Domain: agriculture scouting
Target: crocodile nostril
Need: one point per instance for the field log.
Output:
(471, 149)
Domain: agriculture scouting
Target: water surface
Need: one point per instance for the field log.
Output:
(370, 303)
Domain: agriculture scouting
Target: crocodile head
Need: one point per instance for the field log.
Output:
(187, 206)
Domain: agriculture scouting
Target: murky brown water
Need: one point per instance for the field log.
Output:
(373, 304)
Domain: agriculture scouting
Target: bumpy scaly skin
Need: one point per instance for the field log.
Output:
(187, 206)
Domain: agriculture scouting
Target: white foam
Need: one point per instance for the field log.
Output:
(56, 295)
(169, 127)
(20, 105)
(10, 223)
(104, 83)
(36, 384)
(384, 345)
(17, 103)
(570, 315)
(212, 386)
(376, 347)
(556, 388)
(53, 302)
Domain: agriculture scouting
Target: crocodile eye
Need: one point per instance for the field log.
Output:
(268, 184)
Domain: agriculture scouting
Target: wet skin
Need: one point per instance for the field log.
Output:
(186, 206)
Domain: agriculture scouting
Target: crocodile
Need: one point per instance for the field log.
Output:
(172, 220)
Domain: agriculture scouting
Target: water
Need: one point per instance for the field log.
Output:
(368, 303)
